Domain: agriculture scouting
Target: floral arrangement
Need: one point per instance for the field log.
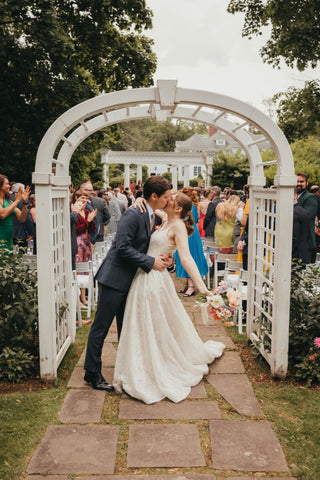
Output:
(223, 302)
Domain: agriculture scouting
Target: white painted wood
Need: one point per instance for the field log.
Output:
(165, 101)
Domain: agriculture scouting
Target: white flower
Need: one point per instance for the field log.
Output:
(216, 301)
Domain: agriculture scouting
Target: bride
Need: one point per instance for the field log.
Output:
(160, 353)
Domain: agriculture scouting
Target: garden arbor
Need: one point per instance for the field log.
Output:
(270, 212)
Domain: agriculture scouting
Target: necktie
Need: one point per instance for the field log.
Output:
(151, 221)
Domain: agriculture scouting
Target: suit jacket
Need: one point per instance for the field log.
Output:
(300, 236)
(308, 201)
(209, 221)
(103, 215)
(127, 252)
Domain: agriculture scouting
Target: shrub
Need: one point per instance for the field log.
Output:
(304, 354)
(18, 317)
(16, 365)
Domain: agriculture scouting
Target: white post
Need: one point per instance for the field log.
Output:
(127, 176)
(186, 175)
(175, 177)
(282, 281)
(139, 173)
(46, 284)
(104, 161)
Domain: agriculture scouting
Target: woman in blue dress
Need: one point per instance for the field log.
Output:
(195, 246)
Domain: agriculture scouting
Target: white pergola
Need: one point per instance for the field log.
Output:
(270, 210)
(174, 159)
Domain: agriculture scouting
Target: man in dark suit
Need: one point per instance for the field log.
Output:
(103, 214)
(309, 203)
(209, 221)
(127, 253)
(301, 231)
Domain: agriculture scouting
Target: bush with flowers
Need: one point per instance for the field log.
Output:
(224, 301)
(304, 329)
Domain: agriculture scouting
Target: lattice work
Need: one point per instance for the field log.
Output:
(264, 258)
(59, 258)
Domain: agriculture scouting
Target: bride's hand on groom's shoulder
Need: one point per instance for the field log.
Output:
(139, 203)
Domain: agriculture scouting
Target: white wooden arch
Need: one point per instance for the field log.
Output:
(270, 212)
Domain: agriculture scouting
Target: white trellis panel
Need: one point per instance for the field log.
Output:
(270, 272)
(54, 271)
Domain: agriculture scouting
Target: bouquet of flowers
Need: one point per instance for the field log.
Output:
(223, 303)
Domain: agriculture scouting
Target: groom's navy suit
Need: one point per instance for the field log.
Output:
(126, 254)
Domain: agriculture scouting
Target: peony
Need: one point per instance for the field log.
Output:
(216, 301)
(317, 342)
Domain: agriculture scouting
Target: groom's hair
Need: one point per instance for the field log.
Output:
(156, 184)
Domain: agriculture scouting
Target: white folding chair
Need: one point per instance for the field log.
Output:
(76, 297)
(209, 248)
(30, 260)
(231, 271)
(85, 280)
(221, 258)
(243, 289)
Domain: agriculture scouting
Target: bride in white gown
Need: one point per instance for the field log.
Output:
(160, 353)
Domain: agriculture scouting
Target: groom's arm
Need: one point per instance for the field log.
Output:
(130, 229)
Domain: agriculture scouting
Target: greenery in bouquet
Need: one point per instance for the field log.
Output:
(225, 299)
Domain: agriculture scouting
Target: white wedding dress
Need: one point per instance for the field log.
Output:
(160, 353)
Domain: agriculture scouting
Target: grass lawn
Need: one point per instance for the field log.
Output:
(292, 408)
(25, 414)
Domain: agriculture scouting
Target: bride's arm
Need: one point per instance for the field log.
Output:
(181, 241)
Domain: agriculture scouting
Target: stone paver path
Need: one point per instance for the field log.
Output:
(218, 433)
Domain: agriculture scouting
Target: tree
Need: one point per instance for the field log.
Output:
(230, 169)
(149, 135)
(298, 110)
(295, 29)
(306, 155)
(55, 54)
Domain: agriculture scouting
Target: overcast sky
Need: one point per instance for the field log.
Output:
(199, 44)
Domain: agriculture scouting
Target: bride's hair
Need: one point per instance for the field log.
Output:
(185, 203)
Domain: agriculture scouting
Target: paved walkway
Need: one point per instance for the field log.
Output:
(218, 433)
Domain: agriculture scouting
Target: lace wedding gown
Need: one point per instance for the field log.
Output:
(160, 353)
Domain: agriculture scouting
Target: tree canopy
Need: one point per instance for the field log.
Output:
(149, 135)
(295, 29)
(55, 54)
(298, 111)
(230, 169)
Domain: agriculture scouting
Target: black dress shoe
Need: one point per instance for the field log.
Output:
(97, 381)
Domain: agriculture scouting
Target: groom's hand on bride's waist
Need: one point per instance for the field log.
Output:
(161, 262)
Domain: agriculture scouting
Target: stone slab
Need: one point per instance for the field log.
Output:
(82, 406)
(237, 390)
(112, 336)
(261, 478)
(76, 380)
(197, 476)
(74, 449)
(210, 330)
(186, 410)
(230, 362)
(248, 446)
(227, 341)
(108, 355)
(156, 445)
(198, 391)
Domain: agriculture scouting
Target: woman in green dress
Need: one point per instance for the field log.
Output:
(8, 208)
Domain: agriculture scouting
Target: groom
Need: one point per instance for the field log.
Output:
(127, 253)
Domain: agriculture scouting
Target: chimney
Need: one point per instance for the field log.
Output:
(212, 130)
